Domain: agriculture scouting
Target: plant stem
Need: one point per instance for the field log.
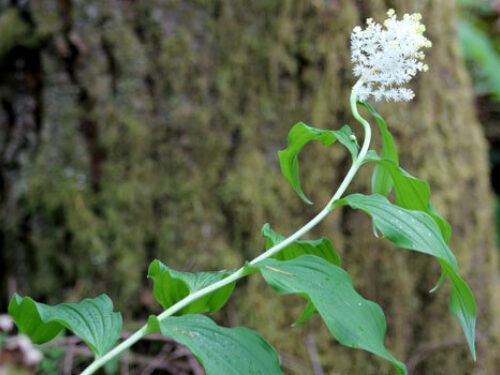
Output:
(267, 254)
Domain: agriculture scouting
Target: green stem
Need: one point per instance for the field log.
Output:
(273, 250)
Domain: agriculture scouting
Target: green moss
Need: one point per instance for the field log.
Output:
(13, 31)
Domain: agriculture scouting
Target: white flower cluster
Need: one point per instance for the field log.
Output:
(385, 57)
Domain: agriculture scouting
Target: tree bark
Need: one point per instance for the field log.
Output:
(161, 121)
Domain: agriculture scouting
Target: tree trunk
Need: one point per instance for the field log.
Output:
(161, 121)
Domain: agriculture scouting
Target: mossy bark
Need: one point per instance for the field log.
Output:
(161, 121)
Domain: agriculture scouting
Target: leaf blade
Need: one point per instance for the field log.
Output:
(416, 230)
(221, 350)
(463, 307)
(389, 150)
(412, 193)
(93, 320)
(352, 320)
(298, 137)
(171, 286)
(381, 180)
(321, 247)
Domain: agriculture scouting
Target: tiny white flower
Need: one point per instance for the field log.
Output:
(386, 57)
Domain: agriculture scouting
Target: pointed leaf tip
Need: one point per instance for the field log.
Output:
(418, 231)
(352, 320)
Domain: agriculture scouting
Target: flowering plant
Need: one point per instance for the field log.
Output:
(385, 57)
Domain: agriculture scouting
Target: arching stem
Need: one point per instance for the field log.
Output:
(267, 254)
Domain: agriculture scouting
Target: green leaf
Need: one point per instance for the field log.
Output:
(309, 311)
(463, 306)
(352, 320)
(418, 231)
(381, 179)
(381, 182)
(321, 248)
(171, 286)
(444, 226)
(389, 150)
(412, 193)
(93, 320)
(298, 137)
(440, 282)
(409, 229)
(220, 350)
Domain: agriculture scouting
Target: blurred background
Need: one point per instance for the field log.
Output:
(133, 130)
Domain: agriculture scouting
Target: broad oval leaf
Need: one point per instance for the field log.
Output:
(321, 248)
(412, 193)
(93, 320)
(352, 320)
(298, 137)
(220, 350)
(417, 231)
(171, 286)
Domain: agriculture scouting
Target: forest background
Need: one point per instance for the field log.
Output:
(135, 130)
